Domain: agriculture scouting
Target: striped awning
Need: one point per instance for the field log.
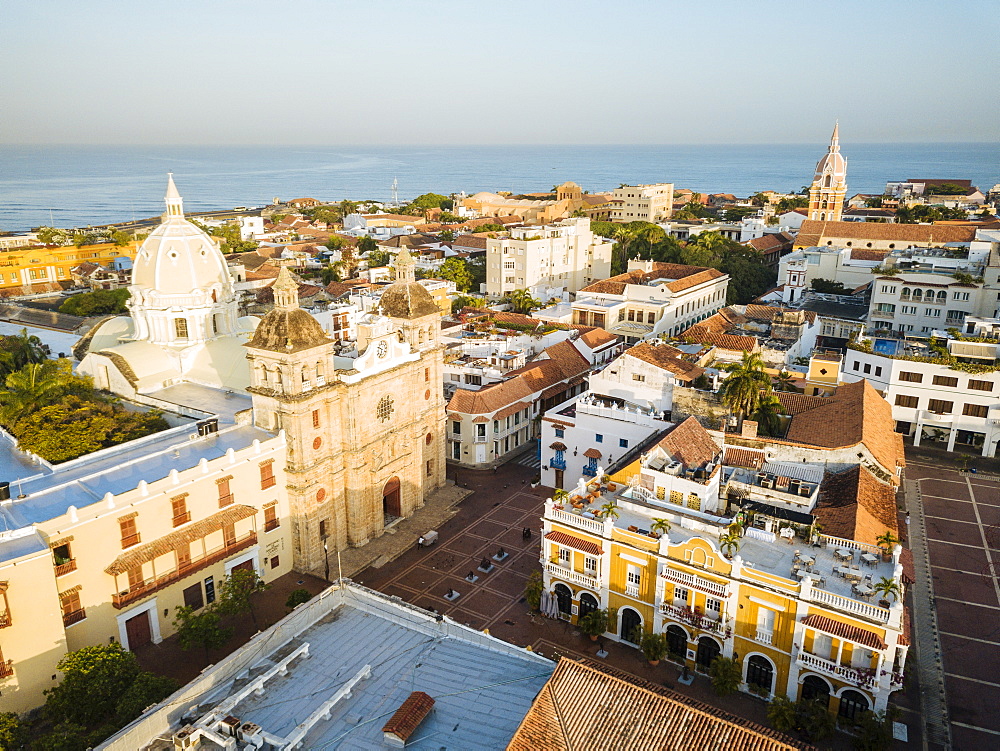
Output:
(140, 554)
(558, 446)
(844, 631)
(592, 454)
(561, 538)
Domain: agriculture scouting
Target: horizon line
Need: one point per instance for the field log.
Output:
(491, 145)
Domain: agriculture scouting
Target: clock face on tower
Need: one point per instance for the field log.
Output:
(382, 349)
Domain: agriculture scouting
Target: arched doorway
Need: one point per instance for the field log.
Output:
(815, 688)
(588, 604)
(760, 673)
(391, 509)
(677, 642)
(852, 704)
(708, 650)
(630, 622)
(564, 596)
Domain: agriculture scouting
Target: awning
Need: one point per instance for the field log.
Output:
(796, 517)
(592, 454)
(558, 446)
(845, 631)
(140, 554)
(561, 538)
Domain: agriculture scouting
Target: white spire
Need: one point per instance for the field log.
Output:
(835, 138)
(175, 205)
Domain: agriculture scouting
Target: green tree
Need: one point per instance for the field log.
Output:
(874, 730)
(522, 301)
(432, 201)
(787, 204)
(464, 301)
(477, 267)
(237, 593)
(51, 236)
(97, 303)
(200, 628)
(768, 415)
(782, 713)
(94, 680)
(828, 287)
(366, 245)
(35, 386)
(610, 510)
(594, 623)
(726, 675)
(887, 586)
(18, 350)
(377, 258)
(456, 270)
(297, 597)
(533, 590)
(741, 391)
(11, 732)
(785, 381)
(347, 208)
(65, 736)
(729, 543)
(146, 689)
(653, 645)
(660, 526)
(446, 236)
(490, 227)
(330, 273)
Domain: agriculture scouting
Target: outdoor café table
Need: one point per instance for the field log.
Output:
(844, 554)
(807, 559)
(864, 590)
(869, 558)
(848, 573)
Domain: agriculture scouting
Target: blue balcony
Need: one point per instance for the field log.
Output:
(589, 471)
(557, 464)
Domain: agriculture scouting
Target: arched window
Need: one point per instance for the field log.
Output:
(565, 598)
(918, 294)
(677, 641)
(708, 650)
(588, 604)
(942, 296)
(906, 291)
(852, 704)
(631, 622)
(760, 673)
(816, 689)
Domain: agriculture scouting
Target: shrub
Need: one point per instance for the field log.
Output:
(533, 590)
(726, 675)
(297, 597)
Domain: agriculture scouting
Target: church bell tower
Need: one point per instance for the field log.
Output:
(829, 185)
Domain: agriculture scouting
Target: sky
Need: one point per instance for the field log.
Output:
(543, 72)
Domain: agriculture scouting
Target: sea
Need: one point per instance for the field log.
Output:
(77, 186)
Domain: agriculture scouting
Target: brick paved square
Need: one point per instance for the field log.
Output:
(488, 529)
(965, 657)
(468, 618)
(506, 516)
(990, 516)
(950, 531)
(405, 592)
(526, 502)
(969, 738)
(510, 583)
(526, 562)
(940, 509)
(973, 703)
(465, 545)
(442, 559)
(945, 489)
(966, 619)
(485, 603)
(512, 539)
(956, 556)
(442, 585)
(971, 587)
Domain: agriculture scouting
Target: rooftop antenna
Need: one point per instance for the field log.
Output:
(395, 192)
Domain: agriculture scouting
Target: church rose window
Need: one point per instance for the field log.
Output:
(384, 409)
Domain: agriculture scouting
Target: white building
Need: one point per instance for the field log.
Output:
(642, 203)
(547, 260)
(920, 303)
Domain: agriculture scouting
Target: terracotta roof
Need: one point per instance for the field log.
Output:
(336, 289)
(730, 342)
(770, 312)
(597, 338)
(512, 409)
(676, 271)
(482, 419)
(868, 254)
(561, 538)
(845, 631)
(469, 241)
(856, 505)
(409, 715)
(906, 561)
(666, 358)
(589, 707)
(737, 457)
(814, 232)
(593, 454)
(140, 554)
(558, 446)
(694, 280)
(771, 242)
(690, 443)
(855, 414)
(795, 403)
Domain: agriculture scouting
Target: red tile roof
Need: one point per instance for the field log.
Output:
(845, 631)
(593, 453)
(589, 707)
(675, 271)
(409, 715)
(666, 358)
(597, 338)
(856, 505)
(748, 458)
(690, 443)
(814, 232)
(561, 538)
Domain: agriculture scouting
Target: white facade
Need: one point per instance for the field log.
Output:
(548, 259)
(796, 271)
(642, 203)
(920, 303)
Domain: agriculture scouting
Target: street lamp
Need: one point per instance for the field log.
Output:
(326, 560)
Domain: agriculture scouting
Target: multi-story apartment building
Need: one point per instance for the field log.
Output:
(793, 606)
(650, 299)
(642, 203)
(45, 268)
(919, 303)
(547, 260)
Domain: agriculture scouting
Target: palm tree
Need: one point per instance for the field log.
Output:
(887, 542)
(785, 381)
(729, 543)
(20, 350)
(610, 510)
(887, 586)
(522, 301)
(741, 391)
(659, 526)
(32, 387)
(768, 414)
(560, 495)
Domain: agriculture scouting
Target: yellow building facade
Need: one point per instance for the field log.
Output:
(25, 267)
(789, 637)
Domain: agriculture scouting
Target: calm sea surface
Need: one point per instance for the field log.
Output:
(73, 186)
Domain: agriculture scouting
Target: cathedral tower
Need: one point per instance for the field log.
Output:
(829, 185)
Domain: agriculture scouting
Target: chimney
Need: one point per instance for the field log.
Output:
(404, 722)
(749, 429)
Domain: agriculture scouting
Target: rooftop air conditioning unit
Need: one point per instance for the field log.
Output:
(185, 738)
(252, 734)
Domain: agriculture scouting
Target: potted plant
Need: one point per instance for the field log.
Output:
(610, 510)
(653, 646)
(535, 481)
(726, 675)
(594, 623)
(887, 586)
(887, 542)
(659, 527)
(729, 543)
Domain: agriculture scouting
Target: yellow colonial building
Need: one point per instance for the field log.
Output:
(41, 268)
(795, 609)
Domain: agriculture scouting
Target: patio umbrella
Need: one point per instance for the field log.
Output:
(553, 607)
(543, 605)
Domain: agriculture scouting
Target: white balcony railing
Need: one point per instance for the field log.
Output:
(568, 575)
(576, 520)
(764, 637)
(835, 670)
(693, 580)
(632, 590)
(839, 602)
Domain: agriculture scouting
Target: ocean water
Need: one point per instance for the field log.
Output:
(73, 186)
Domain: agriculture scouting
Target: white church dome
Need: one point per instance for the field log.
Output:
(178, 258)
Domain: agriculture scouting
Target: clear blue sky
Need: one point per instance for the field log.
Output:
(545, 71)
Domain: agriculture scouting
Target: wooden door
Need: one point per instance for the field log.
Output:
(391, 507)
(138, 631)
(245, 566)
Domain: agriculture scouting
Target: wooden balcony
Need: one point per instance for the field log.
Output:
(74, 617)
(225, 500)
(155, 584)
(64, 568)
(271, 525)
(6, 669)
(130, 540)
(182, 518)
